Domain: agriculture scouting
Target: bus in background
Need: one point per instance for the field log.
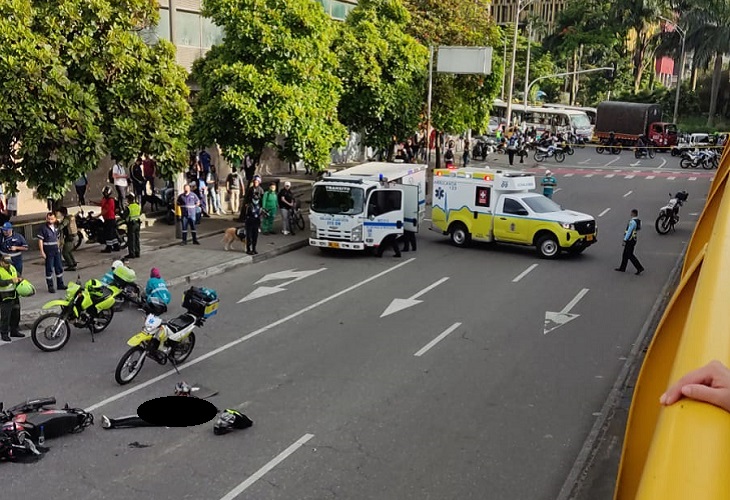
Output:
(546, 119)
(591, 112)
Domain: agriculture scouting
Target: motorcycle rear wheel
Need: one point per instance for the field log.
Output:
(599, 150)
(685, 163)
(560, 157)
(50, 336)
(129, 366)
(539, 156)
(652, 153)
(663, 224)
(707, 164)
(183, 349)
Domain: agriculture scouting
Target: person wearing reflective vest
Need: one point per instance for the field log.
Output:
(188, 203)
(630, 237)
(48, 245)
(133, 212)
(156, 289)
(12, 245)
(9, 302)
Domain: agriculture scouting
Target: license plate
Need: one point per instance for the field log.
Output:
(334, 245)
(589, 237)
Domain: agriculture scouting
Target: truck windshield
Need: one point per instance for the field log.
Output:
(336, 199)
(541, 205)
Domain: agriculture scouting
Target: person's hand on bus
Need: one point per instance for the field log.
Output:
(710, 384)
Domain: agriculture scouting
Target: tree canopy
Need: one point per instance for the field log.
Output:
(273, 74)
(76, 83)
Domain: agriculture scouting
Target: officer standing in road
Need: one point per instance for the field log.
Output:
(630, 237)
(9, 302)
(188, 203)
(132, 213)
(48, 245)
(548, 184)
(13, 244)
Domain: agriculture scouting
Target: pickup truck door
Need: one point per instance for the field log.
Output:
(511, 221)
(384, 215)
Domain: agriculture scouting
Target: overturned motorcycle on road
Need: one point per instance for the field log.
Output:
(669, 213)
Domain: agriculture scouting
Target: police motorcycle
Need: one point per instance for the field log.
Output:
(89, 306)
(91, 228)
(167, 340)
(669, 213)
(544, 152)
(124, 284)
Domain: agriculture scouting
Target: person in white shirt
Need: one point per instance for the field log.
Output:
(120, 181)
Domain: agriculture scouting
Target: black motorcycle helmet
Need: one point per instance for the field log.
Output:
(229, 420)
(106, 192)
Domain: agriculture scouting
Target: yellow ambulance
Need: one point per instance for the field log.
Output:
(487, 205)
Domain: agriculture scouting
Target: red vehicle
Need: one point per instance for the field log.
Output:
(629, 120)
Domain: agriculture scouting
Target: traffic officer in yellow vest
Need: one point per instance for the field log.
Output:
(132, 214)
(9, 302)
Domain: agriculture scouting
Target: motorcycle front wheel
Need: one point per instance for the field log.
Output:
(560, 157)
(707, 164)
(599, 150)
(685, 163)
(652, 153)
(539, 156)
(663, 224)
(102, 320)
(50, 332)
(183, 349)
(129, 366)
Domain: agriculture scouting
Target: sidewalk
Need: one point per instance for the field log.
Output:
(160, 249)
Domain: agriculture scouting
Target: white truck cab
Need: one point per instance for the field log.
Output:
(360, 207)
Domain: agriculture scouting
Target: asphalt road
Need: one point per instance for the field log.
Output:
(459, 394)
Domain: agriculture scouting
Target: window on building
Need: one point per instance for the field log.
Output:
(188, 28)
(212, 34)
(163, 28)
(339, 10)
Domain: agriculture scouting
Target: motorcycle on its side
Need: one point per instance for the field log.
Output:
(669, 213)
(90, 306)
(167, 340)
(91, 229)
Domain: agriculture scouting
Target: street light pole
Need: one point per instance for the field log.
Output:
(683, 34)
(527, 63)
(512, 66)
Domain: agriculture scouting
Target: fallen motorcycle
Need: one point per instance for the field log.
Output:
(164, 341)
(91, 229)
(669, 213)
(90, 306)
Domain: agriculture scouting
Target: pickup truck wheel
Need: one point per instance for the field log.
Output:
(460, 235)
(547, 247)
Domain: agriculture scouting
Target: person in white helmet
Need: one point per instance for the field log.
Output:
(548, 184)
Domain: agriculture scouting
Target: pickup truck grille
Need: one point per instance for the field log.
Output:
(586, 227)
(333, 234)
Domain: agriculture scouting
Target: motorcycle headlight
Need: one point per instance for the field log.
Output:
(567, 225)
(356, 234)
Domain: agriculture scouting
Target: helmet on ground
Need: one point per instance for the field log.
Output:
(229, 420)
(94, 287)
(25, 288)
(183, 389)
(117, 263)
(106, 191)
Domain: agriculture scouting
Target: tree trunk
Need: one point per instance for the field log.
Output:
(693, 76)
(638, 60)
(573, 79)
(716, 76)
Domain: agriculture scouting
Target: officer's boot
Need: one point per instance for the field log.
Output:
(51, 289)
(60, 285)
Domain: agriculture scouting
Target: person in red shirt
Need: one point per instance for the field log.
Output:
(148, 169)
(108, 213)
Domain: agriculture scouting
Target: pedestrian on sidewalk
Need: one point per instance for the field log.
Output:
(630, 238)
(233, 188)
(548, 184)
(48, 246)
(249, 169)
(188, 203)
(148, 169)
(81, 185)
(119, 174)
(109, 213)
(286, 204)
(138, 182)
(132, 215)
(68, 230)
(13, 245)
(9, 302)
(214, 197)
(270, 204)
(253, 223)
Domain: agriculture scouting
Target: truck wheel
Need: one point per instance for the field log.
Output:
(459, 235)
(547, 247)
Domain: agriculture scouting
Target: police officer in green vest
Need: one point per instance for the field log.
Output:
(132, 215)
(9, 302)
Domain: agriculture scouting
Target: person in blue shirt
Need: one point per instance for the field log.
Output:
(12, 245)
(630, 237)
(48, 246)
(548, 184)
(188, 203)
(156, 289)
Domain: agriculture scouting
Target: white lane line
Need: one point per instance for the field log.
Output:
(604, 212)
(438, 339)
(266, 468)
(650, 177)
(612, 161)
(429, 220)
(251, 335)
(428, 288)
(524, 273)
(664, 162)
(568, 175)
(629, 176)
(584, 161)
(608, 176)
(628, 194)
(588, 175)
(671, 178)
(692, 179)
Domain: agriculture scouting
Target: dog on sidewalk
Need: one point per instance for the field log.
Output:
(231, 235)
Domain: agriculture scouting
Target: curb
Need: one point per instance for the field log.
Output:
(29, 317)
(571, 489)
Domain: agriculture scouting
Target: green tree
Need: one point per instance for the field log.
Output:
(274, 74)
(460, 102)
(383, 71)
(72, 73)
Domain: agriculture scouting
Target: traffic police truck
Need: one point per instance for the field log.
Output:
(474, 204)
(359, 207)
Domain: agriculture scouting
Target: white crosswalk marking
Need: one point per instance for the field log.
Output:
(568, 175)
(692, 179)
(588, 175)
(671, 178)
(649, 177)
(629, 177)
(608, 176)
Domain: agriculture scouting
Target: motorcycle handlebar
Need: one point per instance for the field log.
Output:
(33, 404)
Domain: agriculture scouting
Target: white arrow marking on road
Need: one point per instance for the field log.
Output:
(664, 162)
(263, 291)
(555, 319)
(636, 163)
(400, 304)
(610, 162)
